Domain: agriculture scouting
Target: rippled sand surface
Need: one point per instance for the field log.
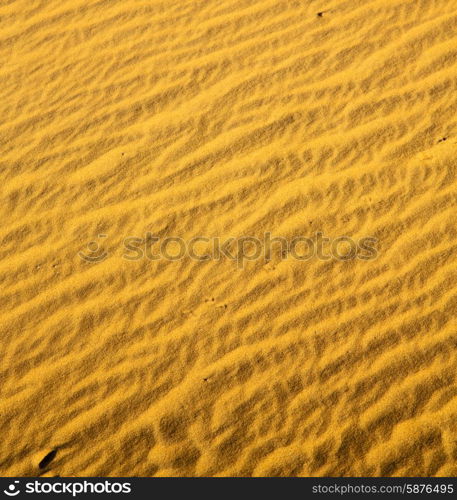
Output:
(222, 118)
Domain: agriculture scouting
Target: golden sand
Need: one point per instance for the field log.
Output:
(224, 118)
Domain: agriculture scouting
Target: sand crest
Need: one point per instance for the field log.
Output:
(228, 119)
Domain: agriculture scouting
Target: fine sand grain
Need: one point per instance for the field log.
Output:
(228, 118)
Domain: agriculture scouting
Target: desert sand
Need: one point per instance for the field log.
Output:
(222, 118)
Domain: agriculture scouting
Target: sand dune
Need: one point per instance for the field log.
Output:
(225, 119)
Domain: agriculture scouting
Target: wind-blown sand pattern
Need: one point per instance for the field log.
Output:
(228, 118)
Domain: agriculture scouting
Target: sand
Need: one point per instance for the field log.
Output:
(226, 119)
